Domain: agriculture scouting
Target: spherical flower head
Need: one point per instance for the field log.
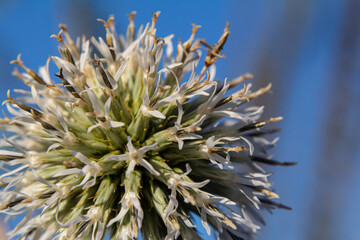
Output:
(128, 139)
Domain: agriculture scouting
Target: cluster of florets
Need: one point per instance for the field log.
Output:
(124, 147)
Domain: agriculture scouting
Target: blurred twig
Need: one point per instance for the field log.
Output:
(341, 135)
(81, 14)
(279, 51)
(2, 231)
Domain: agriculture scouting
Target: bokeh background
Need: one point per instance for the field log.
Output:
(308, 49)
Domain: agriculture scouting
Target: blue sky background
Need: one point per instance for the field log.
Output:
(308, 49)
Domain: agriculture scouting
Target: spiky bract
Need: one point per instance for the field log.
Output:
(124, 146)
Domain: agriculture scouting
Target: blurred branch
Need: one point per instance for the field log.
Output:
(279, 52)
(80, 15)
(340, 140)
(2, 231)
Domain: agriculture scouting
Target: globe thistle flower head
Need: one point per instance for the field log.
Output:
(126, 139)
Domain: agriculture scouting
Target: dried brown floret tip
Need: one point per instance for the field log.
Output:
(188, 44)
(18, 61)
(107, 23)
(131, 16)
(58, 37)
(240, 79)
(33, 74)
(260, 92)
(155, 17)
